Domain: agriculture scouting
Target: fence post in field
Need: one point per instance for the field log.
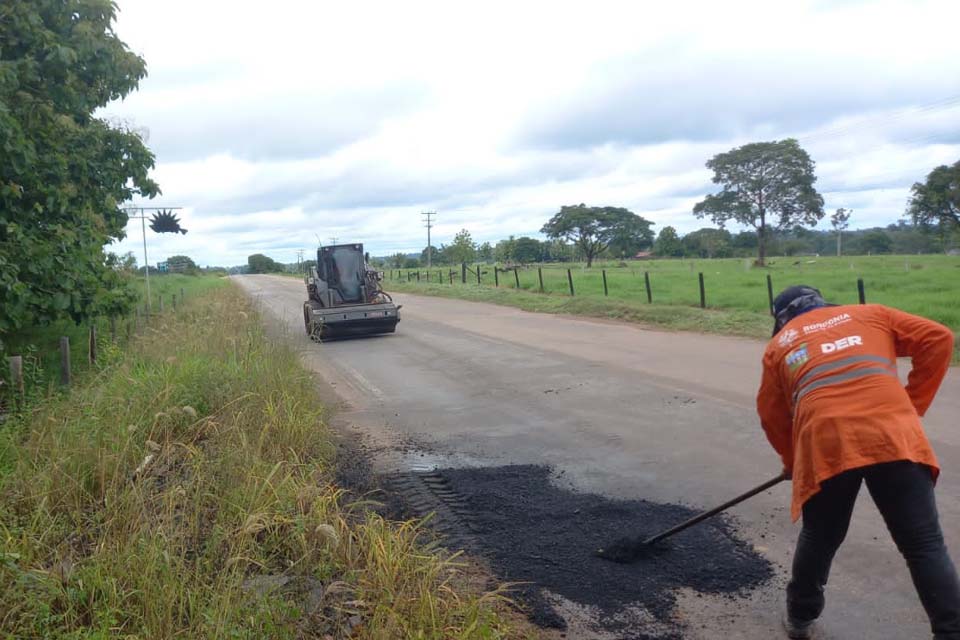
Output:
(703, 294)
(570, 281)
(860, 292)
(92, 344)
(516, 277)
(646, 281)
(450, 273)
(181, 295)
(463, 273)
(418, 275)
(65, 361)
(173, 299)
(605, 291)
(540, 276)
(770, 292)
(16, 376)
(160, 300)
(496, 276)
(479, 272)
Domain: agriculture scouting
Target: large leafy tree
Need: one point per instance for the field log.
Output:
(936, 201)
(668, 243)
(593, 229)
(463, 248)
(259, 263)
(764, 185)
(64, 173)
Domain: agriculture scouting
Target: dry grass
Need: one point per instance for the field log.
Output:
(146, 503)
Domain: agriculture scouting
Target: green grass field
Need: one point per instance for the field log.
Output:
(736, 292)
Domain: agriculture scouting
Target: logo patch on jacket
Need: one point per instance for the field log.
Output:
(787, 337)
(797, 357)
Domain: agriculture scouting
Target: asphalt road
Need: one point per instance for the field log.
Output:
(623, 412)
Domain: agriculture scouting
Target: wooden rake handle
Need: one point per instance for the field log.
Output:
(723, 507)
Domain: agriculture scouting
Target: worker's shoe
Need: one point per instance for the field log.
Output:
(798, 630)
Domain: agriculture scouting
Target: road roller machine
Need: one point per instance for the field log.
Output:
(345, 298)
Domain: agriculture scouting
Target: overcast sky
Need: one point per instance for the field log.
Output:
(277, 124)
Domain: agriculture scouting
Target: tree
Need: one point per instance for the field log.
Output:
(505, 250)
(397, 260)
(877, 241)
(463, 248)
(668, 243)
(763, 182)
(64, 173)
(526, 250)
(840, 220)
(936, 202)
(485, 252)
(592, 229)
(707, 243)
(259, 263)
(436, 255)
(182, 264)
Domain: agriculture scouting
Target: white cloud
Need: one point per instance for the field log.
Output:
(277, 123)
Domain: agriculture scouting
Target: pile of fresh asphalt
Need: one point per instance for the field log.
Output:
(532, 531)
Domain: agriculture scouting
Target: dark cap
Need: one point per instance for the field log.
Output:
(793, 301)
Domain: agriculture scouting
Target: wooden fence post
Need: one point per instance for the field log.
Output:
(860, 292)
(92, 344)
(605, 292)
(16, 375)
(496, 276)
(463, 273)
(479, 270)
(540, 276)
(770, 292)
(173, 298)
(181, 295)
(65, 361)
(160, 298)
(570, 281)
(703, 294)
(516, 277)
(646, 281)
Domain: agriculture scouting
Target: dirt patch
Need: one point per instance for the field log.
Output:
(534, 532)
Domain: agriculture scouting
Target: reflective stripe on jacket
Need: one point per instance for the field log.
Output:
(830, 399)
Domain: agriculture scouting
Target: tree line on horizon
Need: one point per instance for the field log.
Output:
(767, 187)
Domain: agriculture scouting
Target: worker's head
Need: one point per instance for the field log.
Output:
(794, 301)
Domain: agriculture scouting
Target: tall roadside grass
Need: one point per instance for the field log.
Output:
(185, 489)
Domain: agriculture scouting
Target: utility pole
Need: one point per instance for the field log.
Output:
(143, 226)
(300, 260)
(428, 223)
(333, 240)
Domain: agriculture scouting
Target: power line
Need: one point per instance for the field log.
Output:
(428, 218)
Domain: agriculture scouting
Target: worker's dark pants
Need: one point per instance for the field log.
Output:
(903, 492)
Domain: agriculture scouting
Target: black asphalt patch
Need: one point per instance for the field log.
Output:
(532, 531)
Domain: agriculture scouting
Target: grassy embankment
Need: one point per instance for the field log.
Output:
(191, 460)
(40, 346)
(736, 292)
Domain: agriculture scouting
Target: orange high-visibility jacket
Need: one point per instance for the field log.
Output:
(830, 399)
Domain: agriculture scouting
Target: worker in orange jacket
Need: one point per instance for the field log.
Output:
(833, 407)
